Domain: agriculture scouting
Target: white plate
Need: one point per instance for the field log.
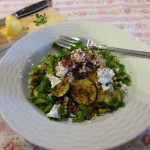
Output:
(105, 132)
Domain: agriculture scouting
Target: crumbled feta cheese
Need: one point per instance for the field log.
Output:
(123, 87)
(78, 55)
(70, 77)
(83, 69)
(66, 98)
(105, 88)
(60, 70)
(72, 115)
(94, 62)
(54, 112)
(54, 80)
(105, 75)
(108, 87)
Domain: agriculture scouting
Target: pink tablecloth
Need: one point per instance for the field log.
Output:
(132, 16)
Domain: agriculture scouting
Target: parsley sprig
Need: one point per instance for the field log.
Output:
(40, 19)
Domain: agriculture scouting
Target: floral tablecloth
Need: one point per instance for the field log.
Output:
(133, 16)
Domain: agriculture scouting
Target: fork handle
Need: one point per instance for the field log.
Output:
(126, 51)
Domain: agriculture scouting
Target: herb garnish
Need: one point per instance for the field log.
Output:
(40, 19)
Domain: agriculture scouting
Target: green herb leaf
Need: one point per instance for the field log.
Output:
(84, 112)
(44, 84)
(40, 19)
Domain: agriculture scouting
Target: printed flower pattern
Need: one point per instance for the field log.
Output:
(146, 138)
(9, 146)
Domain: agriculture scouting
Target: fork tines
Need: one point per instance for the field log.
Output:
(67, 41)
(70, 38)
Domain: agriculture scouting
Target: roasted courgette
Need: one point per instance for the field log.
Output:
(107, 97)
(93, 76)
(61, 89)
(84, 91)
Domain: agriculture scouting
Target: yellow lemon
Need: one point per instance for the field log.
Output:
(13, 26)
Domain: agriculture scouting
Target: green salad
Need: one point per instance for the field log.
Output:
(78, 84)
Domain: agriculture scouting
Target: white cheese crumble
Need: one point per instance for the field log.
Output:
(78, 55)
(66, 98)
(60, 70)
(54, 80)
(70, 77)
(105, 76)
(124, 87)
(54, 112)
(108, 87)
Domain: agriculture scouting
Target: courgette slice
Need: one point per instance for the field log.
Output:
(104, 97)
(61, 89)
(118, 94)
(107, 97)
(84, 91)
(93, 76)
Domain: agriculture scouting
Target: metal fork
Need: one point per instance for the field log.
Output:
(68, 42)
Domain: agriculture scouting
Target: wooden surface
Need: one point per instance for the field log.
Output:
(28, 26)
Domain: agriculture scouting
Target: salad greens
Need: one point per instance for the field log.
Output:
(78, 84)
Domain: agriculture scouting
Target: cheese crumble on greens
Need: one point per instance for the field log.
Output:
(78, 84)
